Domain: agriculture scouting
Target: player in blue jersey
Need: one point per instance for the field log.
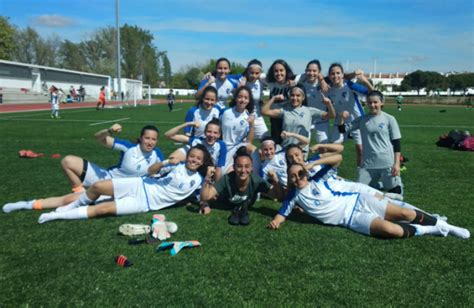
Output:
(221, 81)
(251, 79)
(237, 124)
(211, 141)
(202, 113)
(343, 94)
(134, 160)
(361, 213)
(133, 195)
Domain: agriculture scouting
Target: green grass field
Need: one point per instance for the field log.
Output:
(70, 263)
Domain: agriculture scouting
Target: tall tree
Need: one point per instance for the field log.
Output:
(7, 41)
(99, 51)
(72, 57)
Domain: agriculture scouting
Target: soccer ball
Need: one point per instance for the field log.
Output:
(171, 226)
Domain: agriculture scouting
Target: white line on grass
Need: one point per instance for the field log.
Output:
(177, 109)
(47, 112)
(82, 120)
(103, 122)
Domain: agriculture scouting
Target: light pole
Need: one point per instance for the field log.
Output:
(117, 28)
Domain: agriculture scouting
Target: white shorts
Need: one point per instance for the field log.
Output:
(260, 127)
(372, 177)
(335, 136)
(321, 132)
(94, 174)
(130, 196)
(365, 211)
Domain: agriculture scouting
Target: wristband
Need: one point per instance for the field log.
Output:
(165, 162)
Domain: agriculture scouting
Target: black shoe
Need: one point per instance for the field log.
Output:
(234, 218)
(244, 217)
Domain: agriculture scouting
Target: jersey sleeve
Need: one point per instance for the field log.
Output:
(357, 87)
(220, 185)
(288, 205)
(394, 129)
(189, 118)
(122, 145)
(202, 83)
(354, 125)
(314, 158)
(159, 154)
(315, 112)
(222, 154)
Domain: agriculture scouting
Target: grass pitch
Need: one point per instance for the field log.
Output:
(70, 263)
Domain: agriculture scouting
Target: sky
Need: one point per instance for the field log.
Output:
(385, 36)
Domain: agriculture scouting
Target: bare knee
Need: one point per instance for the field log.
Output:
(385, 229)
(71, 162)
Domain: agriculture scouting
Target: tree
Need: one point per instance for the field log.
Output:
(99, 52)
(7, 41)
(460, 81)
(32, 48)
(419, 80)
(166, 68)
(71, 56)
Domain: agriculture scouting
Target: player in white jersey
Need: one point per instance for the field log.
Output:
(314, 84)
(251, 79)
(134, 160)
(54, 103)
(202, 113)
(211, 141)
(344, 97)
(220, 80)
(361, 213)
(134, 195)
(238, 125)
(381, 152)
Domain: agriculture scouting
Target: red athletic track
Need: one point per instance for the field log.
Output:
(7, 108)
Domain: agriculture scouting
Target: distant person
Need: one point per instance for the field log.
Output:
(82, 94)
(54, 103)
(399, 101)
(122, 95)
(73, 93)
(101, 99)
(171, 99)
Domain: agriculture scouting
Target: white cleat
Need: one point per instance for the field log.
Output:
(134, 229)
(46, 217)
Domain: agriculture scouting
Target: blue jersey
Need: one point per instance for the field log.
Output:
(133, 161)
(218, 150)
(201, 116)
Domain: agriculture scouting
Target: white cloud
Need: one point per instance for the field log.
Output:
(55, 21)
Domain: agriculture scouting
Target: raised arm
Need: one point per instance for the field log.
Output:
(173, 133)
(104, 136)
(331, 113)
(332, 160)
(324, 148)
(276, 192)
(208, 192)
(363, 80)
(266, 108)
(207, 81)
(302, 139)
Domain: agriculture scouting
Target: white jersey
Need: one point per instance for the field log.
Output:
(176, 186)
(257, 94)
(224, 90)
(235, 127)
(321, 172)
(133, 161)
(218, 150)
(277, 164)
(201, 116)
(318, 200)
(344, 99)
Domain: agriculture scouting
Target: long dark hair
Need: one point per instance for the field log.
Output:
(206, 161)
(289, 72)
(206, 89)
(251, 103)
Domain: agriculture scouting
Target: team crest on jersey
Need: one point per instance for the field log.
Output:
(139, 167)
(281, 162)
(316, 202)
(192, 183)
(315, 192)
(242, 122)
(344, 94)
(301, 115)
(181, 186)
(381, 125)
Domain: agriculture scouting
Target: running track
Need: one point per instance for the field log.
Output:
(7, 108)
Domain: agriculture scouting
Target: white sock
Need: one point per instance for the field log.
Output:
(16, 206)
(82, 200)
(77, 213)
(432, 230)
(458, 231)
